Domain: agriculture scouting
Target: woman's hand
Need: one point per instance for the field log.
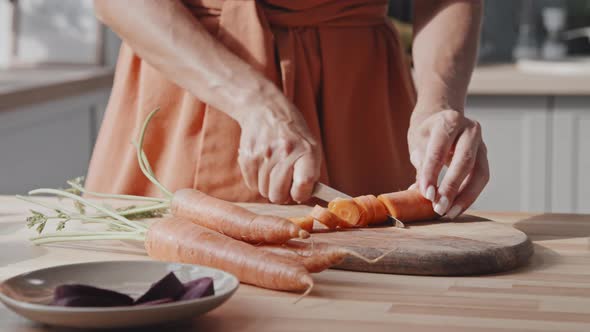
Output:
(447, 137)
(439, 132)
(278, 155)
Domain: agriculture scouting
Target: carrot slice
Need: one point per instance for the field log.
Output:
(326, 217)
(408, 205)
(348, 210)
(379, 210)
(374, 209)
(364, 202)
(306, 223)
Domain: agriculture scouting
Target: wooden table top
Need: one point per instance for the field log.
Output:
(552, 293)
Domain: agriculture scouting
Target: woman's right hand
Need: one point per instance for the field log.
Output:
(278, 155)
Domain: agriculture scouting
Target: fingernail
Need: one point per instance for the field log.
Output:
(454, 212)
(430, 193)
(442, 205)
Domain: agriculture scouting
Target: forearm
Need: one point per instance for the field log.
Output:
(444, 50)
(168, 37)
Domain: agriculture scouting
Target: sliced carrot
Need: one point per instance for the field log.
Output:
(180, 240)
(379, 210)
(364, 202)
(408, 205)
(347, 210)
(325, 217)
(306, 223)
(375, 210)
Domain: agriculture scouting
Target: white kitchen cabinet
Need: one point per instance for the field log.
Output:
(44, 144)
(517, 133)
(570, 162)
(539, 152)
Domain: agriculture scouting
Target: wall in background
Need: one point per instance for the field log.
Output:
(63, 31)
(112, 45)
(537, 144)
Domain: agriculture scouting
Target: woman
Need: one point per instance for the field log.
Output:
(262, 99)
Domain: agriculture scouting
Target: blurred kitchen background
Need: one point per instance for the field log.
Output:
(530, 91)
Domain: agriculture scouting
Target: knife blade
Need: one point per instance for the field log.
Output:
(328, 194)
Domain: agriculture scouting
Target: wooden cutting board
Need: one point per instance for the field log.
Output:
(468, 246)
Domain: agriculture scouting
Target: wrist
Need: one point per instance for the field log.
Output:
(269, 105)
(427, 108)
(437, 101)
(436, 93)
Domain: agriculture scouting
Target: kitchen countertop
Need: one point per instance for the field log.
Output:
(26, 86)
(510, 80)
(552, 293)
(19, 87)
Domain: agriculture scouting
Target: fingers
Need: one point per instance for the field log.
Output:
(440, 141)
(249, 166)
(281, 174)
(475, 184)
(461, 165)
(416, 159)
(281, 178)
(264, 177)
(279, 158)
(305, 175)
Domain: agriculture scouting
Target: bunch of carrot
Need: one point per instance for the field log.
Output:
(258, 249)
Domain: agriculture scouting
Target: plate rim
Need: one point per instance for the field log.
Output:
(60, 309)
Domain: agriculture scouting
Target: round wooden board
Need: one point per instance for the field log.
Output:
(467, 246)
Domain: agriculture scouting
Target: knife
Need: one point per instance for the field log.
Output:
(327, 193)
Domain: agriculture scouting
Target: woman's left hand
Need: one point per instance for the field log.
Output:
(447, 137)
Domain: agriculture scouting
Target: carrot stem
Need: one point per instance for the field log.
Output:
(115, 196)
(142, 158)
(103, 221)
(44, 204)
(83, 234)
(75, 216)
(104, 210)
(139, 209)
(89, 236)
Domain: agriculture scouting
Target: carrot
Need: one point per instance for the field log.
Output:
(306, 223)
(326, 217)
(173, 239)
(233, 220)
(180, 240)
(316, 257)
(408, 205)
(347, 210)
(375, 210)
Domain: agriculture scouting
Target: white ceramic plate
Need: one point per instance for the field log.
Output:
(28, 294)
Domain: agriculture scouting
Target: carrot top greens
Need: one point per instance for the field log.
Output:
(123, 223)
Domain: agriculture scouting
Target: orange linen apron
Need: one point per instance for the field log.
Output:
(340, 62)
